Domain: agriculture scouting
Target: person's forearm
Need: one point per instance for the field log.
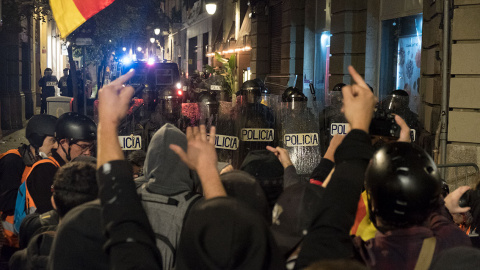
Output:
(108, 145)
(211, 184)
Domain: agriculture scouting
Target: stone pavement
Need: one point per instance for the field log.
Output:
(13, 140)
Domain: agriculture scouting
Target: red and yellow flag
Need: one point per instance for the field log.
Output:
(70, 14)
(363, 227)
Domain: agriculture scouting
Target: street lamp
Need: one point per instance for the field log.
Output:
(152, 40)
(210, 6)
(156, 31)
(124, 49)
(139, 49)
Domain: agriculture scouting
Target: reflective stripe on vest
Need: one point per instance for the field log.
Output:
(30, 204)
(8, 232)
(13, 151)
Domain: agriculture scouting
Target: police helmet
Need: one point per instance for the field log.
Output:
(293, 94)
(208, 103)
(338, 87)
(403, 186)
(397, 101)
(255, 87)
(39, 127)
(75, 127)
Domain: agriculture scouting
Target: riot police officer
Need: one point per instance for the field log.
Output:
(331, 114)
(299, 131)
(397, 102)
(252, 116)
(208, 108)
(48, 84)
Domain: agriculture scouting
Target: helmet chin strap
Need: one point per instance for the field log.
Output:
(67, 153)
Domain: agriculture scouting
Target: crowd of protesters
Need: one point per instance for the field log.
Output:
(171, 208)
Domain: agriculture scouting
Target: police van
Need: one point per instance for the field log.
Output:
(151, 81)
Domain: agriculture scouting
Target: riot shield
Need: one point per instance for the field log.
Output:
(332, 121)
(255, 124)
(226, 141)
(299, 134)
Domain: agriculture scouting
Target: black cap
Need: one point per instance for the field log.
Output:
(292, 214)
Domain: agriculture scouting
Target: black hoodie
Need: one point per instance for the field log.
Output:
(224, 233)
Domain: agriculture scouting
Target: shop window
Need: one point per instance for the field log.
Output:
(401, 58)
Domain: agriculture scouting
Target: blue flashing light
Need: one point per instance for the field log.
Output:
(126, 60)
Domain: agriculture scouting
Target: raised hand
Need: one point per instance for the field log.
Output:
(201, 156)
(201, 151)
(404, 130)
(114, 99)
(358, 102)
(282, 155)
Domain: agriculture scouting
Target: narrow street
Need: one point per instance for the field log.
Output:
(13, 140)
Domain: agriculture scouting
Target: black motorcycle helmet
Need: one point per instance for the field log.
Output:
(293, 94)
(403, 186)
(39, 127)
(75, 127)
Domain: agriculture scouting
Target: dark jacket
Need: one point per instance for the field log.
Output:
(224, 233)
(399, 249)
(79, 241)
(329, 236)
(40, 181)
(130, 238)
(48, 85)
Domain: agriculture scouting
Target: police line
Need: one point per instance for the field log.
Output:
(134, 142)
(344, 128)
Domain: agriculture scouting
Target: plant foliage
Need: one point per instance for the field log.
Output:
(228, 71)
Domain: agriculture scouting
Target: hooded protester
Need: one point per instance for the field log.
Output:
(267, 169)
(168, 192)
(223, 233)
(244, 187)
